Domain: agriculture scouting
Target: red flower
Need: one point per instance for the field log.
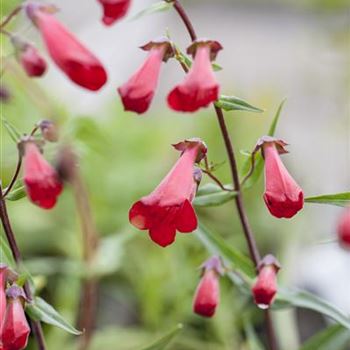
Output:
(32, 62)
(265, 287)
(344, 229)
(168, 208)
(114, 10)
(3, 276)
(138, 92)
(200, 86)
(283, 196)
(15, 330)
(207, 295)
(78, 63)
(40, 178)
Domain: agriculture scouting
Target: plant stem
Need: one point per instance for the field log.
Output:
(10, 16)
(35, 325)
(15, 175)
(251, 242)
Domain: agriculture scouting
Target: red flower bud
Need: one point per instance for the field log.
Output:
(49, 130)
(32, 62)
(3, 277)
(200, 86)
(114, 10)
(283, 196)
(265, 287)
(138, 92)
(40, 178)
(344, 229)
(15, 330)
(207, 295)
(78, 63)
(168, 208)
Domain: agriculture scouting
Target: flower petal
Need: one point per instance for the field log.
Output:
(163, 235)
(186, 220)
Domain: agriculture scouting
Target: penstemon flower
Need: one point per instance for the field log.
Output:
(114, 10)
(168, 208)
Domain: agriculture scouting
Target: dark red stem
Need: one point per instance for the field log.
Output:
(15, 175)
(35, 325)
(10, 16)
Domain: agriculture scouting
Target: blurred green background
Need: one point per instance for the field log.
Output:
(149, 290)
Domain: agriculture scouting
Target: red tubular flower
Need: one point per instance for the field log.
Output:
(200, 86)
(3, 275)
(114, 10)
(15, 330)
(32, 62)
(40, 178)
(283, 196)
(168, 208)
(265, 287)
(138, 92)
(78, 63)
(207, 295)
(344, 229)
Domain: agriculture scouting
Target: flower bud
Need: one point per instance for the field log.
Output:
(32, 62)
(15, 329)
(265, 287)
(344, 229)
(207, 295)
(49, 130)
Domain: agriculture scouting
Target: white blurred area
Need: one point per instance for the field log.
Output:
(269, 54)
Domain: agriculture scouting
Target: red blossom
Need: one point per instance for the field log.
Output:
(168, 208)
(283, 196)
(114, 10)
(344, 229)
(40, 178)
(137, 93)
(200, 86)
(15, 330)
(73, 58)
(265, 287)
(32, 62)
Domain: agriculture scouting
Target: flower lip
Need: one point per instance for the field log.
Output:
(29, 139)
(159, 42)
(214, 45)
(15, 292)
(269, 260)
(32, 6)
(213, 263)
(192, 142)
(279, 143)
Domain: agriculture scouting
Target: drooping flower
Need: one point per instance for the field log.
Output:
(72, 57)
(15, 329)
(137, 93)
(265, 287)
(40, 178)
(3, 276)
(200, 86)
(168, 208)
(32, 62)
(114, 10)
(207, 296)
(344, 229)
(283, 196)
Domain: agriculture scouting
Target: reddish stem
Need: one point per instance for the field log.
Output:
(10, 16)
(15, 176)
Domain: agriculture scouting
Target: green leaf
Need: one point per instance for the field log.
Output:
(186, 60)
(339, 199)
(40, 310)
(11, 129)
(162, 343)
(252, 338)
(335, 337)
(6, 256)
(233, 103)
(299, 298)
(212, 195)
(259, 162)
(217, 246)
(160, 6)
(16, 194)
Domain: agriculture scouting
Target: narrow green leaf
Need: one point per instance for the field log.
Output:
(163, 342)
(11, 129)
(6, 256)
(259, 162)
(16, 194)
(40, 310)
(160, 6)
(338, 199)
(216, 245)
(233, 103)
(252, 338)
(212, 195)
(335, 337)
(299, 298)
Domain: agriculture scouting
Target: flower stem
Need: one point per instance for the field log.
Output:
(249, 236)
(15, 175)
(10, 16)
(35, 325)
